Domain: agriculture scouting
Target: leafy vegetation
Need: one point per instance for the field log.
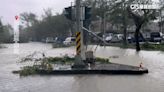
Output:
(49, 26)
(5, 30)
(61, 60)
(28, 70)
(147, 46)
(61, 45)
(47, 63)
(119, 14)
(110, 12)
(140, 18)
(102, 60)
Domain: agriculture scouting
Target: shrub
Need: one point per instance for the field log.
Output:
(28, 70)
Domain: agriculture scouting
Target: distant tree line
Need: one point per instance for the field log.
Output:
(117, 12)
(49, 26)
(5, 33)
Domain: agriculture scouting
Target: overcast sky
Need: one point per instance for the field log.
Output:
(10, 8)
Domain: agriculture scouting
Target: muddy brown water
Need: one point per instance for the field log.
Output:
(152, 82)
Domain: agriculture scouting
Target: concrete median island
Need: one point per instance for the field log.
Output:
(63, 66)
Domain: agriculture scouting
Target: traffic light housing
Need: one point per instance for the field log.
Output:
(87, 13)
(68, 13)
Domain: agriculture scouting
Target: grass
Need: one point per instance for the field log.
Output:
(61, 60)
(61, 45)
(120, 45)
(158, 47)
(70, 61)
(28, 70)
(145, 46)
(102, 60)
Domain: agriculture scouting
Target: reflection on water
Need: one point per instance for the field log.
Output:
(152, 82)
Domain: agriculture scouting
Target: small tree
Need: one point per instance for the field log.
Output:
(140, 17)
(1, 31)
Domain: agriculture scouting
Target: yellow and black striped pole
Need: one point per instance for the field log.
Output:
(78, 43)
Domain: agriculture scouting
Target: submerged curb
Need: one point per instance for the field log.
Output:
(99, 69)
(72, 72)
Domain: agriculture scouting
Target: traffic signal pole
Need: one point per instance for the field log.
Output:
(81, 16)
(79, 21)
(80, 48)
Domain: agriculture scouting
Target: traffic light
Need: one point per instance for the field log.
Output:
(68, 13)
(87, 13)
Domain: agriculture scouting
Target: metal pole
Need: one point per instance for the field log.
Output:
(160, 20)
(79, 16)
(104, 23)
(78, 13)
(80, 51)
(83, 47)
(105, 16)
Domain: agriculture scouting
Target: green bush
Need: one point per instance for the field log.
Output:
(28, 70)
(61, 60)
(148, 46)
(47, 64)
(59, 46)
(102, 60)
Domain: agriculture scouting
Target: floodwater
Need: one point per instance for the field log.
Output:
(151, 82)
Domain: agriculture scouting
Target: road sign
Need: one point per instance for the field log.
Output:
(78, 43)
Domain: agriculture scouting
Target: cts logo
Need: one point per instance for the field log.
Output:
(134, 7)
(144, 6)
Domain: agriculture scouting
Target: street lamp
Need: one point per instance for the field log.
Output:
(100, 20)
(104, 21)
(105, 15)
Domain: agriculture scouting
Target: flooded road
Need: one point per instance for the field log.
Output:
(151, 82)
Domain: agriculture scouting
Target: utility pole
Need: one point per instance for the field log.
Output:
(160, 11)
(124, 23)
(80, 16)
(80, 49)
